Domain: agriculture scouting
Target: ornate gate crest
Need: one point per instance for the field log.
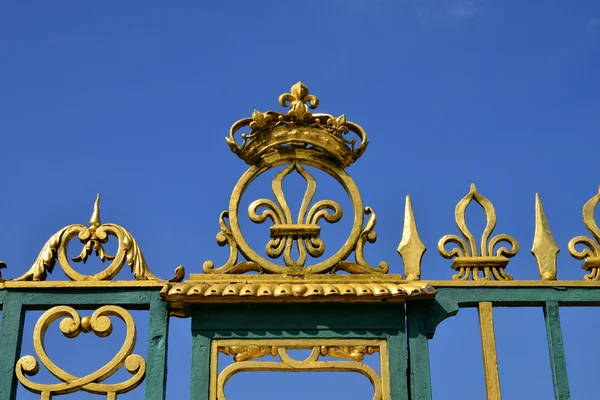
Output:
(297, 139)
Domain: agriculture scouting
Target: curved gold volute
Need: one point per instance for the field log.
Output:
(297, 141)
(93, 239)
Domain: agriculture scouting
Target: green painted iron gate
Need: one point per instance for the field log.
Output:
(260, 305)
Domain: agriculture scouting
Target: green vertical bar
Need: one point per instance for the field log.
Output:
(418, 352)
(158, 337)
(398, 365)
(557, 351)
(200, 384)
(11, 333)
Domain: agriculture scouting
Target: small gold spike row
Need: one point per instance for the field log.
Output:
(71, 326)
(93, 239)
(544, 247)
(468, 259)
(591, 251)
(411, 248)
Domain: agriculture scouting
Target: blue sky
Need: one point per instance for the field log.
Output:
(133, 100)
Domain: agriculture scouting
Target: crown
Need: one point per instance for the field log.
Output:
(273, 132)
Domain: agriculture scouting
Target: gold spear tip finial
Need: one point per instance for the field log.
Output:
(95, 219)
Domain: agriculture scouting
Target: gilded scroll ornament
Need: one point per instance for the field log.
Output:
(544, 247)
(71, 326)
(591, 245)
(352, 350)
(93, 239)
(469, 260)
(295, 141)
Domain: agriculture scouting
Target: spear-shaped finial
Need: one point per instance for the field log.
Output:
(95, 219)
(544, 248)
(411, 248)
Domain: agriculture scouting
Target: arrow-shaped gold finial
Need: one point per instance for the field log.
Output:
(544, 247)
(95, 219)
(411, 248)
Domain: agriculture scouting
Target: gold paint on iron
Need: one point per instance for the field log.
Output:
(591, 250)
(411, 248)
(490, 357)
(93, 239)
(544, 247)
(269, 288)
(469, 260)
(295, 140)
(71, 326)
(246, 350)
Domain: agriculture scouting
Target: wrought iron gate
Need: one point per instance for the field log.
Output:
(293, 295)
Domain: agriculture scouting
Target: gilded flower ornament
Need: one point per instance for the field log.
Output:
(591, 245)
(469, 260)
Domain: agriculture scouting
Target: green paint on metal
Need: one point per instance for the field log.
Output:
(418, 352)
(316, 316)
(398, 365)
(158, 331)
(200, 380)
(300, 334)
(11, 333)
(519, 296)
(557, 351)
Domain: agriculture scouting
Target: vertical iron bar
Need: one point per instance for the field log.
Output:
(488, 345)
(557, 351)
(418, 349)
(11, 334)
(158, 338)
(201, 365)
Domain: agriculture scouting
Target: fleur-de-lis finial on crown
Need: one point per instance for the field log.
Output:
(297, 98)
(323, 134)
(468, 258)
(591, 251)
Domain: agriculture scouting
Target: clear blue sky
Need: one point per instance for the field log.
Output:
(133, 99)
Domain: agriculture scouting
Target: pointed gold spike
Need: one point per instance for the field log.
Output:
(95, 219)
(411, 248)
(544, 248)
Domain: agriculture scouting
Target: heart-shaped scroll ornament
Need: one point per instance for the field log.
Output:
(71, 326)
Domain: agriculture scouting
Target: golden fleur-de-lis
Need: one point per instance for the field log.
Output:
(591, 250)
(469, 259)
(297, 98)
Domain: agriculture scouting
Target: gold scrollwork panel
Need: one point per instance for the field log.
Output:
(71, 325)
(351, 353)
(93, 238)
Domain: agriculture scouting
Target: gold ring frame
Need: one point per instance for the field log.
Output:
(71, 326)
